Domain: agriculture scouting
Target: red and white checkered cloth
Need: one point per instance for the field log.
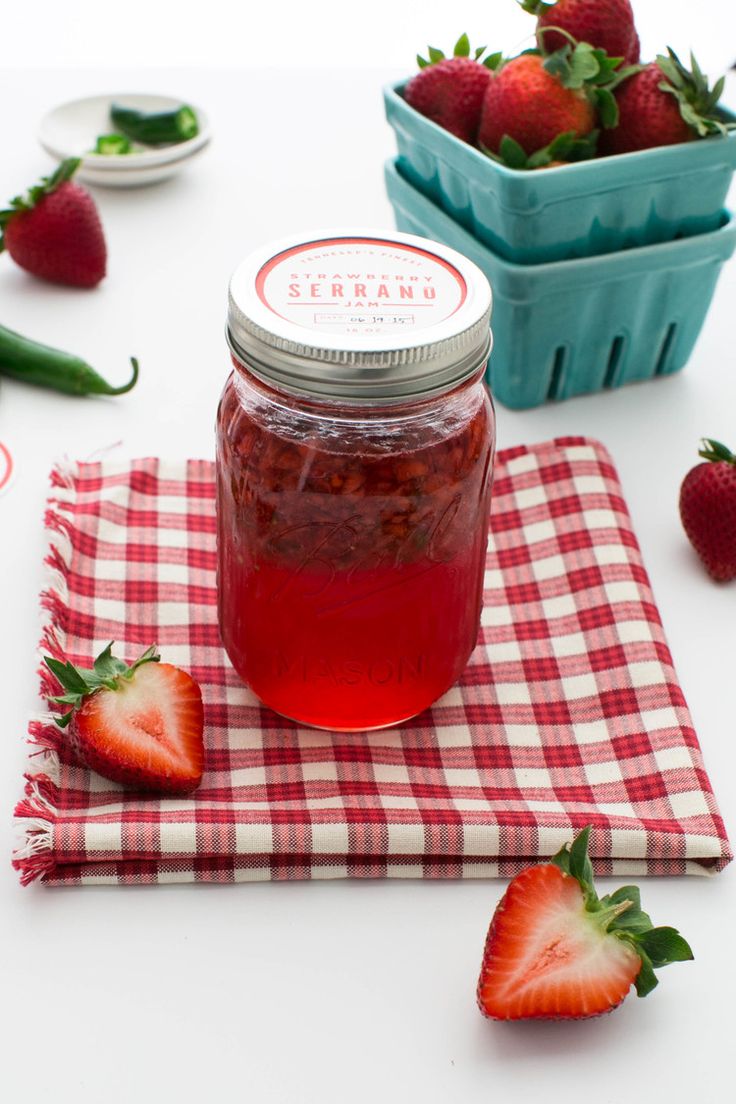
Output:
(569, 713)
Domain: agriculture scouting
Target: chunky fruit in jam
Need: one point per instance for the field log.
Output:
(351, 548)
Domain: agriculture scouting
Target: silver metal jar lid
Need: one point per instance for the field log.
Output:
(360, 315)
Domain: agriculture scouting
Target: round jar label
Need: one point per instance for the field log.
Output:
(361, 286)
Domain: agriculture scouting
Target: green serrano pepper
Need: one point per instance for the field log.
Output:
(155, 128)
(112, 145)
(31, 362)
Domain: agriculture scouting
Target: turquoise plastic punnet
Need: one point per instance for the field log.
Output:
(576, 326)
(592, 207)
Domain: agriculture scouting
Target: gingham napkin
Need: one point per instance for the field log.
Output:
(569, 713)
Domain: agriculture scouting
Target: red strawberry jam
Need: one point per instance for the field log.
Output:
(351, 529)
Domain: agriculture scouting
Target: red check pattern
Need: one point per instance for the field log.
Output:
(570, 712)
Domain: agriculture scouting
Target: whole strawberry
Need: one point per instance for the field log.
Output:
(533, 100)
(55, 232)
(608, 24)
(450, 90)
(664, 104)
(708, 509)
(140, 725)
(556, 951)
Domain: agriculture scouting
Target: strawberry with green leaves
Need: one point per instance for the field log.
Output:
(140, 725)
(708, 509)
(540, 108)
(663, 104)
(450, 90)
(607, 24)
(54, 231)
(555, 950)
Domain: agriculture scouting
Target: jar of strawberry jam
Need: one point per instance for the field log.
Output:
(355, 443)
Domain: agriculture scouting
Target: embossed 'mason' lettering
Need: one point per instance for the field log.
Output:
(350, 672)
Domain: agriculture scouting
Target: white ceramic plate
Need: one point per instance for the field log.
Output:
(72, 129)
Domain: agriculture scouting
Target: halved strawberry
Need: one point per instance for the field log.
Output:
(140, 725)
(554, 950)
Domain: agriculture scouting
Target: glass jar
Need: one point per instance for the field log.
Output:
(355, 443)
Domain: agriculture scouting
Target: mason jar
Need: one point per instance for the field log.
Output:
(355, 442)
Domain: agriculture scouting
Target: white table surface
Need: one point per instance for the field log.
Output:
(315, 992)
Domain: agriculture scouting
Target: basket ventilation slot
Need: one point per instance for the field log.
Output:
(558, 367)
(614, 359)
(664, 352)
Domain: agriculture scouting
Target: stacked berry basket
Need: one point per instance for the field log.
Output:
(590, 189)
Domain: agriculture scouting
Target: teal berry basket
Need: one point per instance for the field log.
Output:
(591, 324)
(581, 210)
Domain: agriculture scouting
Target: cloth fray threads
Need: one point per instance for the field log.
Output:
(35, 815)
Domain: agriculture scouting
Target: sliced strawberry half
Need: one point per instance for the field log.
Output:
(555, 950)
(140, 725)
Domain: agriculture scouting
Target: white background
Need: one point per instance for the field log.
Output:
(324, 992)
(324, 34)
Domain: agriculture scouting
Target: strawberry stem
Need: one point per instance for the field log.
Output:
(715, 452)
(536, 7)
(560, 31)
(606, 916)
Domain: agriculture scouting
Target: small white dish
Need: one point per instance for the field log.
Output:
(72, 129)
